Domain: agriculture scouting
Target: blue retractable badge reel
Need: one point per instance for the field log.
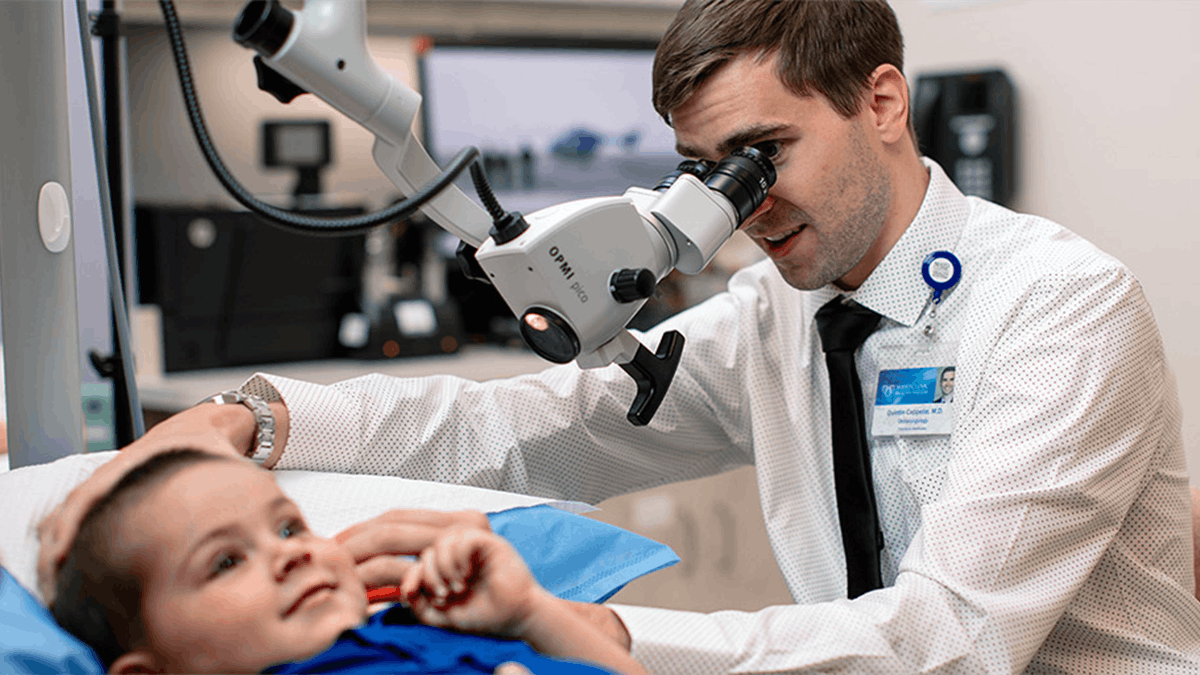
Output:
(941, 270)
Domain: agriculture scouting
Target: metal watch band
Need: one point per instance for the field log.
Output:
(264, 419)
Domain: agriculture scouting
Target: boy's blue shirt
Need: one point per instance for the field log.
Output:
(391, 642)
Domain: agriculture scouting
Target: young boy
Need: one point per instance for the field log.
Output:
(199, 563)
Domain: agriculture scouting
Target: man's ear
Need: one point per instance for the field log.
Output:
(888, 103)
(137, 661)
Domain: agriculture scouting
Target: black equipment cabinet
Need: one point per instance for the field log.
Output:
(234, 290)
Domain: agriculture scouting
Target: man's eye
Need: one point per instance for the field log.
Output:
(769, 148)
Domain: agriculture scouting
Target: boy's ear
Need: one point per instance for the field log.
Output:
(136, 661)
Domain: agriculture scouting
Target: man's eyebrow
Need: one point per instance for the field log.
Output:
(747, 136)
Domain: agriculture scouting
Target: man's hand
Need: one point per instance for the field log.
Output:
(220, 429)
(381, 545)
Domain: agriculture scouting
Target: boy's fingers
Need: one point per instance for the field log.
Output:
(432, 575)
(449, 560)
(464, 549)
(511, 668)
(410, 584)
(428, 614)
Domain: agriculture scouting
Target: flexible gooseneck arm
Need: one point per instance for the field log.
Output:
(323, 49)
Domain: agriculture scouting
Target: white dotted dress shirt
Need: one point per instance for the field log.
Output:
(1049, 533)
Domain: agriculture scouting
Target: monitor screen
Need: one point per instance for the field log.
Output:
(303, 143)
(553, 124)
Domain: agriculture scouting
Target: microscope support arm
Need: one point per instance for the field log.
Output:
(325, 51)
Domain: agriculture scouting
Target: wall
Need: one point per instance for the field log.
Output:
(1107, 98)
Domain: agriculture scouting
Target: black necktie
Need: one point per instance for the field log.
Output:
(843, 329)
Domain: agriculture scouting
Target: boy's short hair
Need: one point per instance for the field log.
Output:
(98, 594)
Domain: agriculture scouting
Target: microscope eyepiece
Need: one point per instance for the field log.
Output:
(263, 25)
(697, 168)
(744, 178)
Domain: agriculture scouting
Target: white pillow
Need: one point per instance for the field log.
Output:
(330, 502)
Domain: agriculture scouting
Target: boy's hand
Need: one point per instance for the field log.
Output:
(473, 581)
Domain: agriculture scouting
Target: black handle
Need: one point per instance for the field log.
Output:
(653, 374)
(276, 83)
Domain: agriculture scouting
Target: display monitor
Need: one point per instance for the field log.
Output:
(553, 123)
(301, 145)
(295, 143)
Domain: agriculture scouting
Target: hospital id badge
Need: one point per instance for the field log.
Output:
(915, 392)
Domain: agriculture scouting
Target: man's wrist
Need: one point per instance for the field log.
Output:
(234, 422)
(257, 428)
(605, 619)
(262, 443)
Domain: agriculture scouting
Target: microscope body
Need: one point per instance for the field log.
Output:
(594, 262)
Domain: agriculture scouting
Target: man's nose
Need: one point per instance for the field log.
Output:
(768, 202)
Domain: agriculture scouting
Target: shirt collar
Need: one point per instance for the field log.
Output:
(895, 288)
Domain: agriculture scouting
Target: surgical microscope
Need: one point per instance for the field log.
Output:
(574, 274)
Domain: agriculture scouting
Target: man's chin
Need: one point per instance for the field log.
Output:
(802, 279)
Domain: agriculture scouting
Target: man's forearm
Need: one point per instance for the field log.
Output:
(578, 631)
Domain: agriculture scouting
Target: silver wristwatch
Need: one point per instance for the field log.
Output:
(264, 440)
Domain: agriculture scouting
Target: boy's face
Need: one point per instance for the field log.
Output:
(233, 579)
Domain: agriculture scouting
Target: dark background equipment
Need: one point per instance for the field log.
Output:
(302, 145)
(966, 122)
(234, 291)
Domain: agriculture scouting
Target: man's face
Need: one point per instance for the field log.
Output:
(233, 579)
(947, 382)
(832, 195)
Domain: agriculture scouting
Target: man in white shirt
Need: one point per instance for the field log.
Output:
(1027, 526)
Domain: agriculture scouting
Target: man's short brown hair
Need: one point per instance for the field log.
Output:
(830, 46)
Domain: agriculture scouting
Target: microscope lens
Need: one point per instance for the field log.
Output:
(549, 335)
